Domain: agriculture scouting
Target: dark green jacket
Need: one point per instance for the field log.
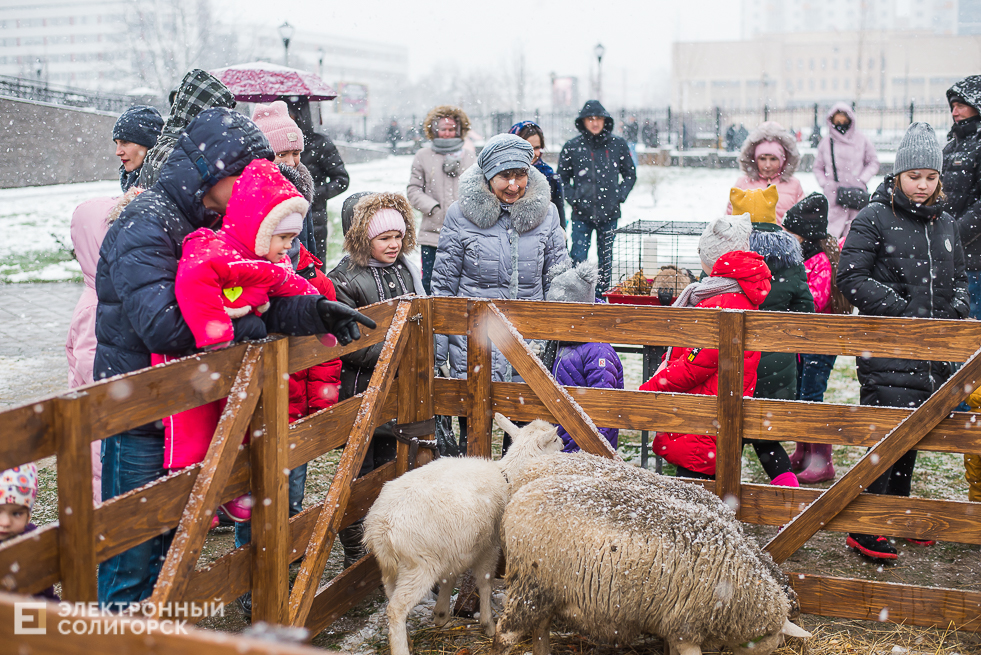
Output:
(777, 373)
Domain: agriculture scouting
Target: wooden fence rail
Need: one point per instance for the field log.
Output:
(254, 377)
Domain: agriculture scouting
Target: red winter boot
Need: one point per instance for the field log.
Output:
(239, 509)
(787, 479)
(820, 467)
(801, 456)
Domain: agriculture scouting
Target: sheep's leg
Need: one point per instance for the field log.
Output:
(483, 571)
(539, 637)
(441, 613)
(410, 589)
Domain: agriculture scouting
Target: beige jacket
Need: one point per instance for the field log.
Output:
(432, 191)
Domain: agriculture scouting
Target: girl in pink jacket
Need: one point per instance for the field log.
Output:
(88, 227)
(770, 156)
(230, 274)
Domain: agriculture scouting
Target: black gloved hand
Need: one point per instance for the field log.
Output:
(249, 328)
(342, 321)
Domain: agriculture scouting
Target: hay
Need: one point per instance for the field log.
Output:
(830, 637)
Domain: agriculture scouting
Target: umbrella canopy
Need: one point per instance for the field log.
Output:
(261, 81)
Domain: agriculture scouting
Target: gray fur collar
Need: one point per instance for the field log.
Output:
(482, 208)
(780, 249)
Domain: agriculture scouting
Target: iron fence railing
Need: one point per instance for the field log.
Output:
(38, 90)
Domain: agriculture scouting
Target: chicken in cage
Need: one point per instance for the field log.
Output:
(653, 261)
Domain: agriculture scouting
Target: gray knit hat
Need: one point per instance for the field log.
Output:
(919, 149)
(574, 283)
(503, 152)
(724, 235)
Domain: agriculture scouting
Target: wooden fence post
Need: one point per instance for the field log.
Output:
(76, 538)
(729, 443)
(415, 380)
(269, 457)
(479, 369)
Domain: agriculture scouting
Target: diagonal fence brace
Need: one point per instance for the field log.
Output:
(335, 504)
(563, 407)
(877, 460)
(210, 482)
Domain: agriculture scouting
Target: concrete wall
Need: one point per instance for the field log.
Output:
(48, 144)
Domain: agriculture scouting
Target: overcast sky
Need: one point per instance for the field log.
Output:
(555, 35)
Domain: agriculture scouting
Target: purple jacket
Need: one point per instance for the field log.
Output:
(856, 161)
(588, 365)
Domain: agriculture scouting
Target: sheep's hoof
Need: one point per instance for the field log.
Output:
(489, 629)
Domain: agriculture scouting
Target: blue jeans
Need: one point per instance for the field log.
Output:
(813, 372)
(298, 481)
(428, 261)
(130, 461)
(582, 233)
(974, 289)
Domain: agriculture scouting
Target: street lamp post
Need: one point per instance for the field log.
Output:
(286, 33)
(599, 51)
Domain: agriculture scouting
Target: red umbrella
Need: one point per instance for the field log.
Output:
(261, 81)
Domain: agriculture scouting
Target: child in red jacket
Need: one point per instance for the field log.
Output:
(230, 274)
(738, 279)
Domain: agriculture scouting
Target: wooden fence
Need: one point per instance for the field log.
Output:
(253, 376)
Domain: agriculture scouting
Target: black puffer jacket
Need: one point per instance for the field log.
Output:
(902, 259)
(138, 312)
(962, 172)
(596, 169)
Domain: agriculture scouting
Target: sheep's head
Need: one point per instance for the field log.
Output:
(535, 439)
(768, 643)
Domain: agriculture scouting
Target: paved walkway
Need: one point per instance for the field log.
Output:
(34, 320)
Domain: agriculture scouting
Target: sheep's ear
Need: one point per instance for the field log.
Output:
(793, 630)
(506, 425)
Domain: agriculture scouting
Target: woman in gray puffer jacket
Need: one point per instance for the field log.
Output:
(499, 240)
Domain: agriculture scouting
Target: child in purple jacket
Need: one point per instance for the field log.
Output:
(576, 364)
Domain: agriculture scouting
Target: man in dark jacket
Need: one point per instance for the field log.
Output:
(962, 177)
(330, 178)
(598, 174)
(138, 312)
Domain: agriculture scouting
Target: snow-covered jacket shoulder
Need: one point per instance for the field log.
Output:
(594, 365)
(486, 251)
(88, 227)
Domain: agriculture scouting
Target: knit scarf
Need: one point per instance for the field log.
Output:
(696, 292)
(414, 275)
(446, 146)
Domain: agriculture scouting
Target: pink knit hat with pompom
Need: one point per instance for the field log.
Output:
(275, 122)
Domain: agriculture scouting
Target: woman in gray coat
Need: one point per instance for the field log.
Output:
(499, 241)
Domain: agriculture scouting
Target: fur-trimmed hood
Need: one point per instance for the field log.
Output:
(446, 111)
(356, 241)
(121, 204)
(769, 131)
(780, 249)
(482, 208)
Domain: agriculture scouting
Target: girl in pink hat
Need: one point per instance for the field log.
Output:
(770, 156)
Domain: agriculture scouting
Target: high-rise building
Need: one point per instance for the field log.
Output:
(792, 16)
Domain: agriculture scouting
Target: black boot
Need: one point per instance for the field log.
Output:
(351, 540)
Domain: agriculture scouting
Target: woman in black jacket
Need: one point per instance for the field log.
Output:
(903, 257)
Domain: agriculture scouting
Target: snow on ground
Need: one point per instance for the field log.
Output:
(35, 245)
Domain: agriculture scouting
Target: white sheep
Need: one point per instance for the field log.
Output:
(432, 524)
(613, 558)
(582, 463)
